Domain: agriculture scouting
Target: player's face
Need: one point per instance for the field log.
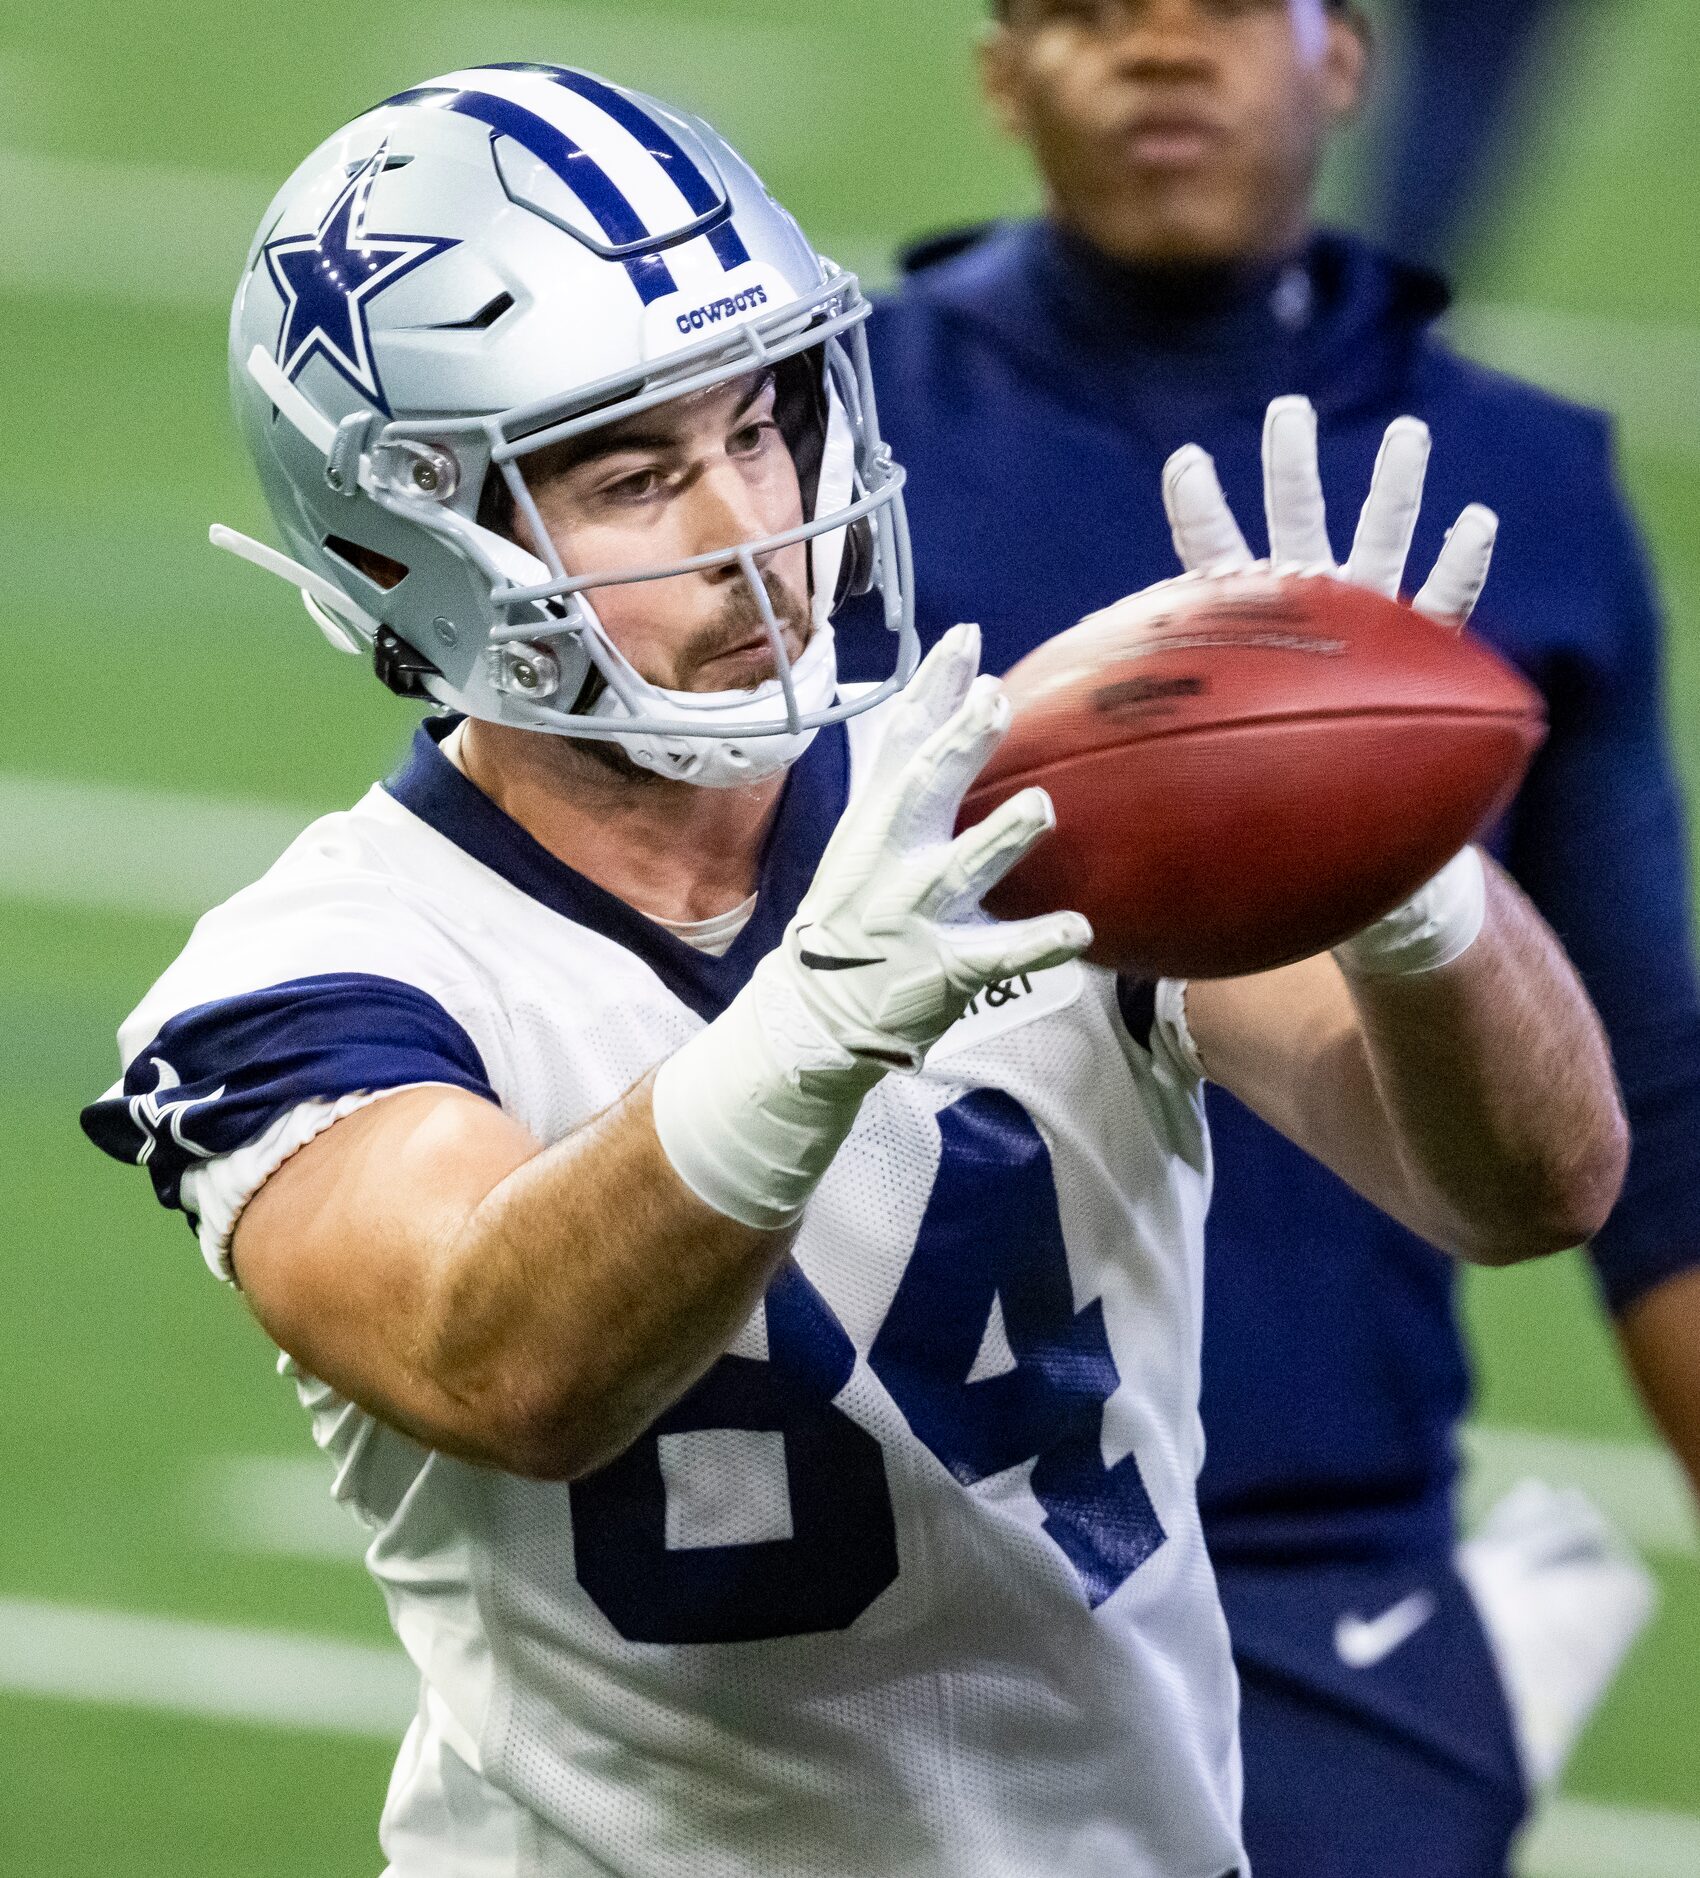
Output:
(702, 474)
(1176, 131)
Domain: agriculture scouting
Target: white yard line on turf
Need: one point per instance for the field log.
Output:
(138, 234)
(1638, 1486)
(1591, 1839)
(155, 235)
(216, 1670)
(107, 847)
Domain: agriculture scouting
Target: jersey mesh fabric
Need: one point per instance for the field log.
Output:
(1019, 1676)
(782, 1751)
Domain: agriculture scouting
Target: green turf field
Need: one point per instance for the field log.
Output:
(137, 148)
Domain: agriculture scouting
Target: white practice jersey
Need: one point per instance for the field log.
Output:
(912, 1581)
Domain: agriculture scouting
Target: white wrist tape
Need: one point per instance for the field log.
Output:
(753, 1109)
(1439, 923)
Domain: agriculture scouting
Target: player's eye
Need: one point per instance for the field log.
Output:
(636, 486)
(752, 438)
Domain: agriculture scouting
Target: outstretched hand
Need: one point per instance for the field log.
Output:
(886, 950)
(1209, 541)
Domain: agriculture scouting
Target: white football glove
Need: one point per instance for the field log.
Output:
(1442, 919)
(1208, 539)
(883, 956)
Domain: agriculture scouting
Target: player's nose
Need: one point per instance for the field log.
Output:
(726, 512)
(1163, 39)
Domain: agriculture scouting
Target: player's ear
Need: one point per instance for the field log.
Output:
(998, 55)
(1346, 64)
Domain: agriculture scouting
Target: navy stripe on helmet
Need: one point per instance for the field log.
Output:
(620, 223)
(728, 246)
(697, 189)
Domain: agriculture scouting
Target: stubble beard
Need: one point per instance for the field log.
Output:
(601, 758)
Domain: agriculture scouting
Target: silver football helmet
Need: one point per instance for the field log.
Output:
(491, 264)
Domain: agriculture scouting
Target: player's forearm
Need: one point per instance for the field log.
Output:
(587, 1292)
(1496, 1082)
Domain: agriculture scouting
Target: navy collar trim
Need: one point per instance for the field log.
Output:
(429, 786)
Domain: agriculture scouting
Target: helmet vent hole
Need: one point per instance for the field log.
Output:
(398, 161)
(368, 563)
(479, 322)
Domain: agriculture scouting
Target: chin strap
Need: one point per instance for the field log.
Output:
(718, 763)
(302, 413)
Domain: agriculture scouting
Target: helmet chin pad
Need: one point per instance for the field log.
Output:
(708, 761)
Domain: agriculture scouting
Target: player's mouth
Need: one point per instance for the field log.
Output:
(747, 664)
(1170, 140)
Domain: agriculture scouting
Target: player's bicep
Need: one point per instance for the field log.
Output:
(340, 1252)
(1289, 1045)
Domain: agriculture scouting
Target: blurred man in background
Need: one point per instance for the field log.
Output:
(1033, 378)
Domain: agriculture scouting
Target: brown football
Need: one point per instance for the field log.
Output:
(1247, 770)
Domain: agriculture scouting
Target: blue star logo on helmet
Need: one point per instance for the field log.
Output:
(329, 278)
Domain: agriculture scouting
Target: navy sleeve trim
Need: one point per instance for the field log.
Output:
(218, 1075)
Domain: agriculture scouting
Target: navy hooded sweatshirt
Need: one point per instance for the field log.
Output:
(1033, 391)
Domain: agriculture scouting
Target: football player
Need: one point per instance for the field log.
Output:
(751, 1296)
